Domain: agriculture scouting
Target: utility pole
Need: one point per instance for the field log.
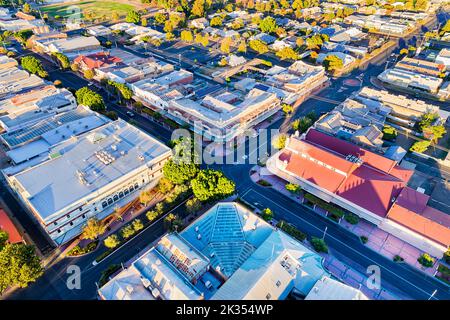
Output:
(324, 233)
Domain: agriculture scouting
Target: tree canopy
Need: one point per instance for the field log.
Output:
(19, 265)
(91, 99)
(133, 17)
(212, 185)
(33, 65)
(268, 25)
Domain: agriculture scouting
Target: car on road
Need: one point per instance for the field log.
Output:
(130, 114)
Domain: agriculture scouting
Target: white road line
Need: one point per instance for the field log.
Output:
(298, 217)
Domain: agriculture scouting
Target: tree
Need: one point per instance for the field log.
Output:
(93, 229)
(302, 124)
(127, 231)
(91, 99)
(426, 260)
(160, 18)
(133, 17)
(268, 25)
(122, 89)
(226, 44)
(173, 222)
(33, 65)
(216, 21)
(242, 46)
(152, 215)
(62, 59)
(74, 67)
(420, 146)
(287, 108)
(19, 265)
(267, 214)
(26, 8)
(144, 22)
(293, 188)
(389, 133)
(137, 225)
(112, 241)
(319, 245)
(180, 172)
(198, 8)
(299, 42)
(332, 62)
(89, 74)
(279, 142)
(193, 205)
(212, 185)
(258, 46)
(186, 36)
(4, 236)
(287, 53)
(145, 197)
(164, 185)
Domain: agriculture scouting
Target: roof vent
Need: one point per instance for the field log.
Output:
(114, 147)
(196, 229)
(199, 236)
(141, 157)
(130, 289)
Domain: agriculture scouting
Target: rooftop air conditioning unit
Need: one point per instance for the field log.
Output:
(130, 289)
(199, 236)
(196, 229)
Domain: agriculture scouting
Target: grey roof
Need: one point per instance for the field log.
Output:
(74, 171)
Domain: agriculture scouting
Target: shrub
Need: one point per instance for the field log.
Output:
(426, 260)
(267, 214)
(137, 225)
(291, 230)
(319, 245)
(77, 250)
(151, 215)
(447, 256)
(397, 258)
(389, 133)
(351, 218)
(107, 273)
(364, 239)
(127, 231)
(112, 241)
(325, 205)
(263, 183)
(293, 188)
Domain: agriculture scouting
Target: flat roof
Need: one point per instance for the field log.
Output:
(75, 168)
(330, 289)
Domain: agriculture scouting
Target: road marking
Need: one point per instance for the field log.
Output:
(328, 235)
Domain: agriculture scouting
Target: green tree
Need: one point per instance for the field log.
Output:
(268, 25)
(145, 197)
(137, 225)
(225, 45)
(26, 8)
(216, 21)
(333, 62)
(389, 133)
(160, 18)
(112, 241)
(164, 185)
(198, 8)
(420, 146)
(33, 65)
(133, 17)
(212, 185)
(19, 265)
(91, 99)
(193, 205)
(186, 36)
(144, 22)
(62, 59)
(93, 229)
(152, 215)
(267, 214)
(302, 124)
(287, 108)
(89, 74)
(127, 231)
(287, 53)
(179, 172)
(242, 46)
(115, 16)
(293, 188)
(426, 260)
(4, 236)
(258, 46)
(319, 245)
(173, 222)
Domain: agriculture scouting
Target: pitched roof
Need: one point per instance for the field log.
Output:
(411, 211)
(324, 160)
(97, 60)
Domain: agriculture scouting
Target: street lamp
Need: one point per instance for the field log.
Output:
(324, 233)
(432, 295)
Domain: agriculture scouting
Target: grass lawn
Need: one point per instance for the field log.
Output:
(98, 8)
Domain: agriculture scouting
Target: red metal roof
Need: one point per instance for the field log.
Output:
(98, 60)
(432, 224)
(367, 185)
(345, 148)
(7, 225)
